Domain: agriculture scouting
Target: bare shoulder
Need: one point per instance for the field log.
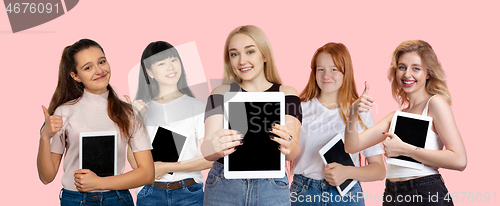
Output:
(288, 90)
(437, 103)
(440, 109)
(221, 89)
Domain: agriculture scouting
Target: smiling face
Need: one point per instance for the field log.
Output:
(92, 69)
(166, 72)
(247, 61)
(411, 74)
(328, 76)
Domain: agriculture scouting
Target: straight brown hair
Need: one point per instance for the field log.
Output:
(69, 91)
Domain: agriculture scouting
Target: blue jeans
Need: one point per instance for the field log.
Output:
(192, 195)
(427, 190)
(235, 192)
(307, 191)
(113, 197)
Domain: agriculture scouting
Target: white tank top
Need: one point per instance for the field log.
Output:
(433, 142)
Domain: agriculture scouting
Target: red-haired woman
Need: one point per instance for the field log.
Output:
(325, 104)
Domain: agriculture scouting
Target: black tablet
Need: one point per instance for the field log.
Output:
(168, 144)
(412, 129)
(98, 152)
(334, 151)
(251, 114)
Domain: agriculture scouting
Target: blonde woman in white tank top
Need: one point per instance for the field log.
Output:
(417, 82)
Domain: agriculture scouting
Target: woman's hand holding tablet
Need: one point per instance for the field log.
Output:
(285, 139)
(408, 132)
(224, 141)
(162, 168)
(395, 146)
(86, 180)
(255, 115)
(336, 174)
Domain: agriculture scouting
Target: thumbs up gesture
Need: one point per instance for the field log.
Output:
(53, 124)
(138, 104)
(364, 103)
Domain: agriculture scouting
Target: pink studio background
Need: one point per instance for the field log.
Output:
(464, 36)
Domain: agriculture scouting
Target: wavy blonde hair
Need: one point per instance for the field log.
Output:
(436, 84)
(270, 71)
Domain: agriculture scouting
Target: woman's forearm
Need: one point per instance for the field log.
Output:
(294, 152)
(47, 162)
(207, 151)
(142, 175)
(195, 164)
(351, 135)
(438, 158)
(135, 178)
(374, 171)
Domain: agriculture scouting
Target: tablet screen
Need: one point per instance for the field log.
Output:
(98, 154)
(337, 154)
(167, 145)
(258, 152)
(412, 131)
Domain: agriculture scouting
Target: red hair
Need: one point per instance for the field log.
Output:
(347, 92)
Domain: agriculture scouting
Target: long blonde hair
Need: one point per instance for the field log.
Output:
(436, 84)
(270, 71)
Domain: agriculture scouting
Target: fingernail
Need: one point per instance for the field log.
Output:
(270, 129)
(242, 141)
(271, 136)
(383, 132)
(237, 132)
(272, 125)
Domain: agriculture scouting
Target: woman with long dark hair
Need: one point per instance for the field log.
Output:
(164, 98)
(84, 101)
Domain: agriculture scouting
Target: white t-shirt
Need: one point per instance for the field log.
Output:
(186, 115)
(319, 126)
